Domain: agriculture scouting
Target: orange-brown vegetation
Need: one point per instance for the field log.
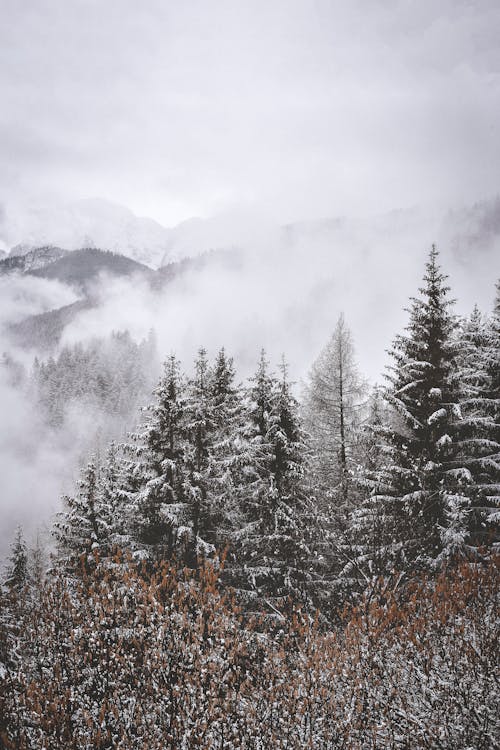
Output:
(126, 659)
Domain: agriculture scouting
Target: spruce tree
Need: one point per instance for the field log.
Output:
(274, 544)
(200, 422)
(423, 488)
(227, 449)
(369, 543)
(478, 432)
(80, 527)
(152, 478)
(16, 574)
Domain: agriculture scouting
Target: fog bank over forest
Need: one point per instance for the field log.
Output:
(277, 287)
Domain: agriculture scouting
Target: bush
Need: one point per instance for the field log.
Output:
(128, 659)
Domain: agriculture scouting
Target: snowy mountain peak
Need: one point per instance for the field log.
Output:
(86, 223)
(32, 259)
(41, 256)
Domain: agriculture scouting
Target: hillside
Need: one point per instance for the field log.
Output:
(33, 260)
(43, 331)
(85, 223)
(81, 267)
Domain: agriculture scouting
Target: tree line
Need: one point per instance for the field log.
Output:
(248, 570)
(317, 500)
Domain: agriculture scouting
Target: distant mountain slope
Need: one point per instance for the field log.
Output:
(96, 222)
(80, 267)
(172, 271)
(43, 331)
(92, 222)
(34, 259)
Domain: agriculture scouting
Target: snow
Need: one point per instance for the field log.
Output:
(437, 416)
(444, 441)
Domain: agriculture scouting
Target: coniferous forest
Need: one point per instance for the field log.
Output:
(260, 565)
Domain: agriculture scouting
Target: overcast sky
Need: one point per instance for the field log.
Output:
(301, 108)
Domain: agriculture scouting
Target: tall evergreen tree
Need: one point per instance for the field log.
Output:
(154, 476)
(227, 449)
(369, 543)
(81, 527)
(200, 424)
(423, 487)
(181, 479)
(17, 574)
(274, 546)
(478, 432)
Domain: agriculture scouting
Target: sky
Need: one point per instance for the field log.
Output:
(252, 114)
(299, 109)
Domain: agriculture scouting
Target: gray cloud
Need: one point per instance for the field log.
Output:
(305, 108)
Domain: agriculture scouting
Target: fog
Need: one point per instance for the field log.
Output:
(303, 108)
(284, 287)
(281, 288)
(324, 145)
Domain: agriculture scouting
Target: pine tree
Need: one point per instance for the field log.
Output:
(182, 478)
(200, 425)
(423, 489)
(274, 548)
(227, 450)
(81, 527)
(153, 478)
(478, 432)
(16, 574)
(368, 548)
(112, 503)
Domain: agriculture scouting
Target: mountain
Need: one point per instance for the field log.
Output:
(102, 224)
(78, 268)
(32, 260)
(43, 331)
(81, 267)
(84, 223)
(99, 223)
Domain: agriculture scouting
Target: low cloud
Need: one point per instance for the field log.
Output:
(282, 289)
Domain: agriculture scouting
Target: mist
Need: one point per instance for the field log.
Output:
(277, 287)
(322, 147)
(283, 288)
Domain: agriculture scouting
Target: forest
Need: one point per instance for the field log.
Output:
(255, 567)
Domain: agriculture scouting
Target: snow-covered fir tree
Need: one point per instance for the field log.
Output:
(181, 480)
(227, 450)
(153, 474)
(200, 533)
(478, 432)
(17, 573)
(83, 526)
(422, 489)
(369, 542)
(274, 554)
